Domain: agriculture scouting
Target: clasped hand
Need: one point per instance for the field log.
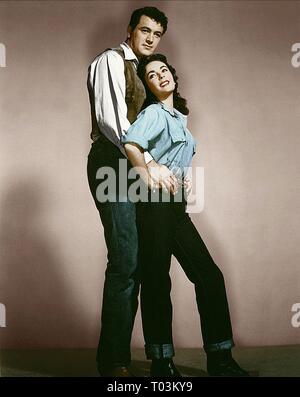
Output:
(162, 177)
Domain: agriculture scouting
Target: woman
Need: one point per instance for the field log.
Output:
(165, 229)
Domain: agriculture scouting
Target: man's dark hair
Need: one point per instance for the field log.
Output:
(151, 12)
(179, 102)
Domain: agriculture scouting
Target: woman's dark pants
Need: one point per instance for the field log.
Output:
(164, 229)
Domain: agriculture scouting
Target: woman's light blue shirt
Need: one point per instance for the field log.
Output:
(164, 135)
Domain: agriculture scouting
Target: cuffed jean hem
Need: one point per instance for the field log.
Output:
(159, 351)
(214, 347)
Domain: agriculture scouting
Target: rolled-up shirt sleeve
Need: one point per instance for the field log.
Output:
(147, 127)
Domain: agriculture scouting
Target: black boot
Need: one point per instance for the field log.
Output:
(164, 367)
(221, 363)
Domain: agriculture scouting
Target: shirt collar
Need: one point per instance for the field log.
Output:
(176, 113)
(173, 112)
(128, 53)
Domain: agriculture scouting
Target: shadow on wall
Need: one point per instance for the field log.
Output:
(40, 308)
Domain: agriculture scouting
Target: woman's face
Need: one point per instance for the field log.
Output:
(159, 79)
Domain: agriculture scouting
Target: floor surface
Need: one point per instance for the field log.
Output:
(279, 361)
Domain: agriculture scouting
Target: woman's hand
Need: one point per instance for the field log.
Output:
(154, 175)
(162, 177)
(188, 185)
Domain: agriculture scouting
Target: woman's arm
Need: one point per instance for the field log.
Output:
(154, 175)
(135, 155)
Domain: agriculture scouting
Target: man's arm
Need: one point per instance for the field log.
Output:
(108, 84)
(109, 88)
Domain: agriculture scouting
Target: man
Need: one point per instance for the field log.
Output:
(116, 96)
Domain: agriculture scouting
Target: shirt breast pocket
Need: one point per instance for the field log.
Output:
(177, 137)
(178, 142)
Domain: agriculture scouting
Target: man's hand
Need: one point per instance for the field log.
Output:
(162, 177)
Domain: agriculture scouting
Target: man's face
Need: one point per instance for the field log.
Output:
(145, 37)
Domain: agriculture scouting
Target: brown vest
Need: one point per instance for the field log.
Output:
(134, 97)
(135, 91)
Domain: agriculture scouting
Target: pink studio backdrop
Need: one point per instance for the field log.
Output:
(234, 64)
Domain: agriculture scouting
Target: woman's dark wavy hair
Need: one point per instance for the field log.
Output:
(179, 102)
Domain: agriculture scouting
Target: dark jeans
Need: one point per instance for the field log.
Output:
(121, 284)
(165, 229)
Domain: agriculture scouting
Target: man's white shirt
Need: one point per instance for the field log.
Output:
(107, 80)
